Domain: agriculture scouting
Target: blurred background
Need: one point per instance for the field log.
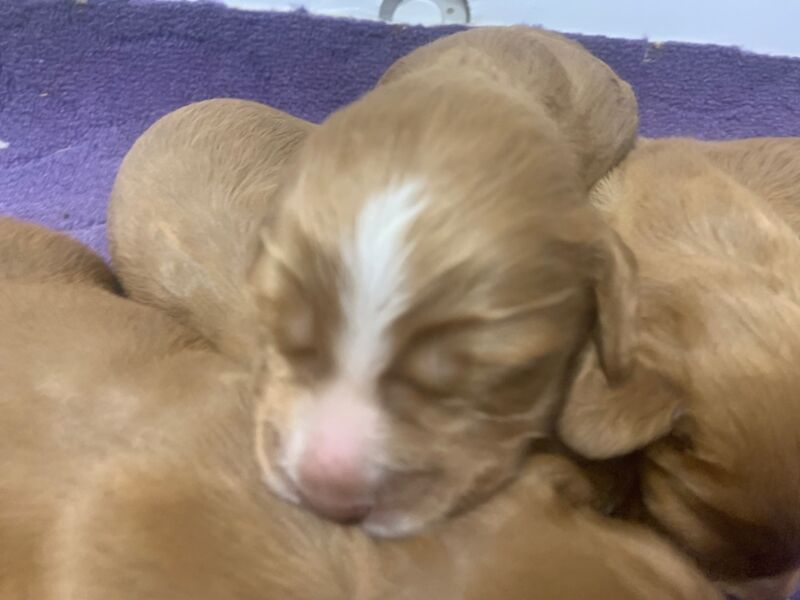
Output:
(765, 26)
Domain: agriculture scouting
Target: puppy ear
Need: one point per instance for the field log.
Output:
(260, 276)
(617, 299)
(601, 420)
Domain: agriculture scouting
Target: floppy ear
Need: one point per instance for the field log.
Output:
(617, 299)
(601, 420)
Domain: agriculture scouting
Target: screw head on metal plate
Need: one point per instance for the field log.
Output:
(453, 12)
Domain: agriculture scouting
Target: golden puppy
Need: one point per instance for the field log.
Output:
(129, 473)
(54, 297)
(433, 271)
(713, 398)
(186, 207)
(31, 253)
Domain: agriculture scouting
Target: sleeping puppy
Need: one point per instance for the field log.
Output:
(433, 271)
(712, 401)
(31, 253)
(129, 473)
(186, 207)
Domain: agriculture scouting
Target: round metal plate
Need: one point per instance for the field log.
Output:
(454, 12)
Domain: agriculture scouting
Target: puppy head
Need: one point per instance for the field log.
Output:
(421, 314)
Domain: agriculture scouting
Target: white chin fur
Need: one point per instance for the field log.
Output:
(280, 487)
(396, 526)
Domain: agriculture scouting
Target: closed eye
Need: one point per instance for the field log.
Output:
(308, 366)
(411, 386)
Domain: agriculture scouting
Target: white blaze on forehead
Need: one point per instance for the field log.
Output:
(338, 429)
(374, 291)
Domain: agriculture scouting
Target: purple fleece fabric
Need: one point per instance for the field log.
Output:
(79, 83)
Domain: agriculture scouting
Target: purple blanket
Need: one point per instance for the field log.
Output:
(79, 83)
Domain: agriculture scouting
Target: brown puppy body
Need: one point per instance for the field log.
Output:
(433, 272)
(128, 473)
(31, 253)
(714, 392)
(181, 536)
(187, 204)
(68, 384)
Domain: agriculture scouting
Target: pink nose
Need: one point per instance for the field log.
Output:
(334, 485)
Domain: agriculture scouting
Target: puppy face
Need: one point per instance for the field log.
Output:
(421, 314)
